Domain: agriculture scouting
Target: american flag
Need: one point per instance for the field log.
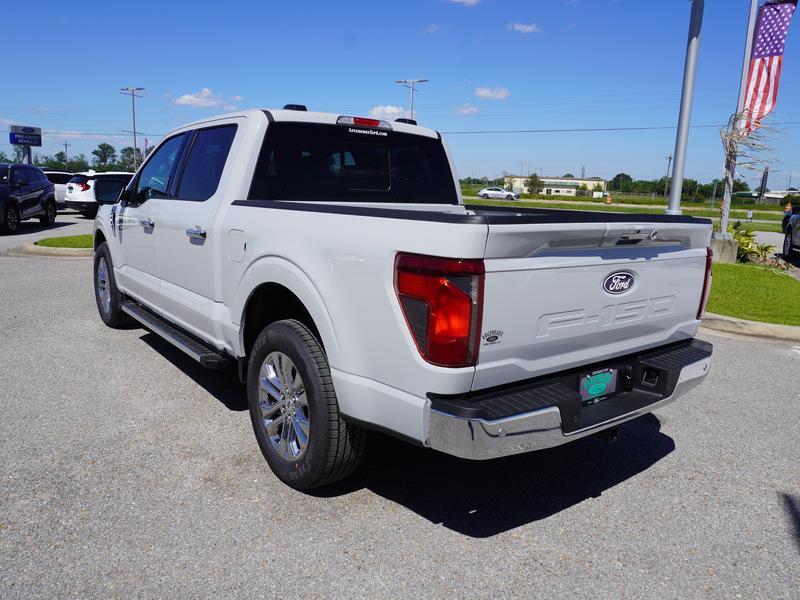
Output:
(769, 44)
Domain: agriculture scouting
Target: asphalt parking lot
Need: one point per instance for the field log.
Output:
(129, 470)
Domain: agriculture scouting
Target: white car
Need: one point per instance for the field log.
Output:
(59, 179)
(370, 296)
(496, 192)
(81, 194)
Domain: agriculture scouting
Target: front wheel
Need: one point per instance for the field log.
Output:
(294, 410)
(10, 221)
(510, 197)
(49, 216)
(788, 250)
(108, 297)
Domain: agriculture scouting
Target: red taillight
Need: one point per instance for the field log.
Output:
(84, 187)
(366, 122)
(706, 285)
(442, 301)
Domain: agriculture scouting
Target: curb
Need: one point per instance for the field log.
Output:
(33, 249)
(751, 328)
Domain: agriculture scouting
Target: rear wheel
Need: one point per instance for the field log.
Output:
(788, 251)
(49, 216)
(10, 219)
(294, 410)
(485, 196)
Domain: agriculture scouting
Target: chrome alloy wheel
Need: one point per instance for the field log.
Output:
(103, 285)
(284, 406)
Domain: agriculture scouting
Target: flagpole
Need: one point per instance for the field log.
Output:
(730, 154)
(687, 96)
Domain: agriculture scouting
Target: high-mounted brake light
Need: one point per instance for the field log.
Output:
(442, 301)
(706, 285)
(364, 122)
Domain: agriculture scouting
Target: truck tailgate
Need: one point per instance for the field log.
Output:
(561, 294)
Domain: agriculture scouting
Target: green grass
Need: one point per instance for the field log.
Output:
(755, 293)
(773, 226)
(69, 241)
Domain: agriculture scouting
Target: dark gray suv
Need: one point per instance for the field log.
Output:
(25, 193)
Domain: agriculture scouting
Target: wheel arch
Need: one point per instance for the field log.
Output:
(99, 238)
(274, 289)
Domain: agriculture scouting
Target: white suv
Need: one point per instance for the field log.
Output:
(59, 179)
(496, 192)
(80, 194)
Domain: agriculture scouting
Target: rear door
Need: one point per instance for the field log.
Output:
(23, 190)
(187, 242)
(559, 295)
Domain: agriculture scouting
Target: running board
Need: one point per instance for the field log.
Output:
(206, 356)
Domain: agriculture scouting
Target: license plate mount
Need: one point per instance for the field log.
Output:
(597, 386)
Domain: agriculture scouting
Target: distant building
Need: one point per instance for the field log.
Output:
(557, 186)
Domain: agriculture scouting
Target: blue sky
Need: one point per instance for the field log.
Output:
(493, 64)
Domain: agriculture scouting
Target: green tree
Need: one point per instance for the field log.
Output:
(78, 163)
(126, 162)
(19, 154)
(740, 186)
(569, 176)
(534, 184)
(621, 181)
(104, 155)
(4, 157)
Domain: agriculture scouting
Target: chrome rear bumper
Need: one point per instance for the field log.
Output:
(480, 439)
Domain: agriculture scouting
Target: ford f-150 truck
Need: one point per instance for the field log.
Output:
(332, 259)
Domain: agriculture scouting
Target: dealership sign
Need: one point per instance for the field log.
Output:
(20, 135)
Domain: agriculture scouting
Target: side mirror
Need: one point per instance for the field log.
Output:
(108, 191)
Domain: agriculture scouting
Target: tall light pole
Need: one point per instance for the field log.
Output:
(131, 91)
(411, 84)
(687, 96)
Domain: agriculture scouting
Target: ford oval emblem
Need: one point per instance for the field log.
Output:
(619, 282)
(28, 130)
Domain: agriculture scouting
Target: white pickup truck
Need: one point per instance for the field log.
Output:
(332, 258)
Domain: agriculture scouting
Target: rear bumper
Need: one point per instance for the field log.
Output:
(547, 412)
(81, 206)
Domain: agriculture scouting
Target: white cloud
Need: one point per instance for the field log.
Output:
(465, 2)
(387, 111)
(495, 93)
(524, 27)
(431, 29)
(205, 98)
(466, 109)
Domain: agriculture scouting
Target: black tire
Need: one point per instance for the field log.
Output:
(49, 216)
(89, 214)
(485, 196)
(788, 252)
(110, 307)
(334, 448)
(510, 197)
(10, 222)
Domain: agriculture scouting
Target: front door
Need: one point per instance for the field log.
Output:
(138, 226)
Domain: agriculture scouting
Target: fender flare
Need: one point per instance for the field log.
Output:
(282, 271)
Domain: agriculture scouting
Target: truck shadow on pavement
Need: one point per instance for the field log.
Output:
(792, 506)
(223, 385)
(483, 499)
(478, 499)
(29, 227)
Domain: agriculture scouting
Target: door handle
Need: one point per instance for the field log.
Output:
(148, 223)
(196, 233)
